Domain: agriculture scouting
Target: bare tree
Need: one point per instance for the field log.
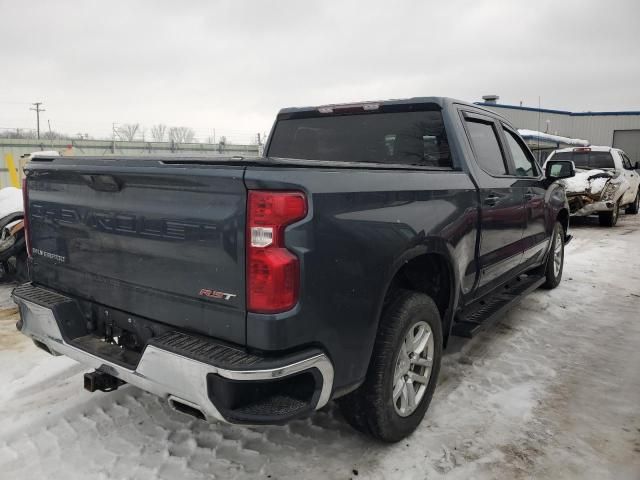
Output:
(53, 135)
(222, 143)
(158, 132)
(128, 131)
(21, 133)
(181, 134)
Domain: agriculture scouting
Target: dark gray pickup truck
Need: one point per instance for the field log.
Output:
(336, 267)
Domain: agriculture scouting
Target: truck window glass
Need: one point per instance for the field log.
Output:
(484, 140)
(525, 167)
(407, 138)
(587, 159)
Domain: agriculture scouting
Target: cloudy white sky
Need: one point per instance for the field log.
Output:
(230, 65)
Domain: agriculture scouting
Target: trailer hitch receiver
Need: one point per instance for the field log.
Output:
(102, 381)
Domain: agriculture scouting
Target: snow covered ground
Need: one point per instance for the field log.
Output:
(551, 391)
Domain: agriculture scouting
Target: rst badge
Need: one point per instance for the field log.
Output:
(206, 292)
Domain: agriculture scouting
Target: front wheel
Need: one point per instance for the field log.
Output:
(635, 206)
(609, 219)
(403, 372)
(555, 260)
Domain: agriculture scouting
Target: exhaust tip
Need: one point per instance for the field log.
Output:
(188, 408)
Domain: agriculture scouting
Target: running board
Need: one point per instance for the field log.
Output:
(481, 314)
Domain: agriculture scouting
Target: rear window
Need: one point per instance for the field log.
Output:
(587, 159)
(407, 138)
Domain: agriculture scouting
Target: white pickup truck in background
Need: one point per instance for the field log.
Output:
(605, 181)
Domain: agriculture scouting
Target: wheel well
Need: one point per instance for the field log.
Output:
(563, 218)
(429, 273)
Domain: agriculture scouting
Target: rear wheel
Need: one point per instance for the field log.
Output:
(403, 372)
(635, 206)
(609, 219)
(555, 260)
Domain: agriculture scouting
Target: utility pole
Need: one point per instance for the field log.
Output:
(38, 110)
(113, 137)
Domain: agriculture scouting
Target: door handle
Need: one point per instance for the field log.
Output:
(491, 200)
(528, 196)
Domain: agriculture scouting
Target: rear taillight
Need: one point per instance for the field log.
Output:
(273, 272)
(25, 202)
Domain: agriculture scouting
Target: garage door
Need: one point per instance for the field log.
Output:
(629, 141)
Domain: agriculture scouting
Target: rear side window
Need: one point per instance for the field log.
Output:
(587, 159)
(407, 138)
(524, 163)
(484, 140)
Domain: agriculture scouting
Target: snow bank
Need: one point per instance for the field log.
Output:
(10, 201)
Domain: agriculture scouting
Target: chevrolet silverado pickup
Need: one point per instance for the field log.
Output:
(337, 266)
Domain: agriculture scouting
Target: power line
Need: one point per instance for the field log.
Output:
(38, 110)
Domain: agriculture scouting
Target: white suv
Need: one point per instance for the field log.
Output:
(605, 181)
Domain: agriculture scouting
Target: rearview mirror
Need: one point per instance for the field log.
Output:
(557, 169)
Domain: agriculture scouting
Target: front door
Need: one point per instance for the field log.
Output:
(531, 183)
(631, 176)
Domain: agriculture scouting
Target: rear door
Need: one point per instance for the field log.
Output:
(156, 240)
(502, 211)
(530, 181)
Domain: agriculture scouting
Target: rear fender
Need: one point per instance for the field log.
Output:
(431, 245)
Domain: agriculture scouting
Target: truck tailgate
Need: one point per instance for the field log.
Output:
(159, 241)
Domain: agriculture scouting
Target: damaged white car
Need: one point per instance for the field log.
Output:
(606, 180)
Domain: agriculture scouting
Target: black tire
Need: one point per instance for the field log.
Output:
(635, 206)
(370, 409)
(553, 276)
(609, 219)
(22, 268)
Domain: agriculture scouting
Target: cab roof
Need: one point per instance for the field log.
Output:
(593, 148)
(442, 102)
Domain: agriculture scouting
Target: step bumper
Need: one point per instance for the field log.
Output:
(175, 374)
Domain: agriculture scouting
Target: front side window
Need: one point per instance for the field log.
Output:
(525, 166)
(484, 140)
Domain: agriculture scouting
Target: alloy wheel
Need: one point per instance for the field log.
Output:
(413, 368)
(557, 254)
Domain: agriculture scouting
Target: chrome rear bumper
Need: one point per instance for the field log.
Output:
(169, 375)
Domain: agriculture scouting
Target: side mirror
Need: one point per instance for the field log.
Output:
(636, 166)
(557, 169)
